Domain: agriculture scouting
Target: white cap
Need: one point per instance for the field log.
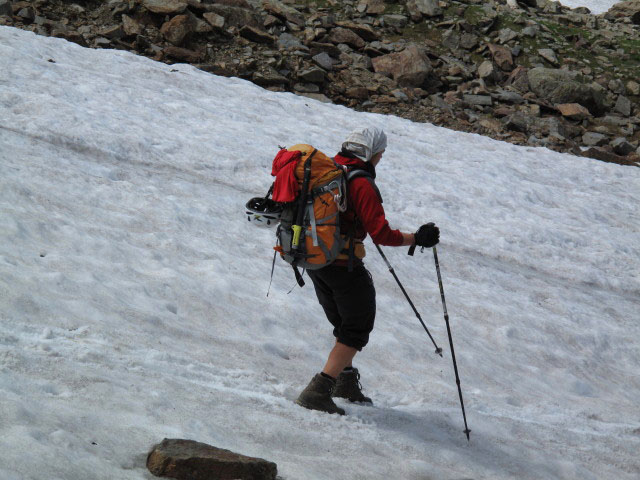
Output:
(364, 143)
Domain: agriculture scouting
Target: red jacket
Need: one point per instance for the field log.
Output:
(364, 207)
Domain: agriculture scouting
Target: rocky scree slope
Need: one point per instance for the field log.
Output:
(530, 72)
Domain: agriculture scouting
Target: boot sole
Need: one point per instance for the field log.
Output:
(308, 407)
(359, 402)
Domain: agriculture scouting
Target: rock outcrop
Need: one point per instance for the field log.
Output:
(528, 71)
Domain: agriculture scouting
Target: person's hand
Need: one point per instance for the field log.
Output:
(428, 235)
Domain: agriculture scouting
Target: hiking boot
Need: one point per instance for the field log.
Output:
(317, 395)
(348, 386)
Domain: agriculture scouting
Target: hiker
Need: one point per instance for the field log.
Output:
(345, 288)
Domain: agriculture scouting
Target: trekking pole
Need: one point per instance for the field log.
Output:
(453, 353)
(438, 349)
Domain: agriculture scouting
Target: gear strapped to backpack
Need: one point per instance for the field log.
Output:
(307, 198)
(308, 236)
(312, 192)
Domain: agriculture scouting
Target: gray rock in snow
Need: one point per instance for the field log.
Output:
(188, 460)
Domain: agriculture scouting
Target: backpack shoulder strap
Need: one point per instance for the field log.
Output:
(359, 172)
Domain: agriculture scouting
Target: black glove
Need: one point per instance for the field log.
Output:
(427, 235)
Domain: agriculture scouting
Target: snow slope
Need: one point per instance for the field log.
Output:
(132, 288)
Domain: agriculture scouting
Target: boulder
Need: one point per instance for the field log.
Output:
(112, 32)
(487, 71)
(269, 78)
(256, 35)
(328, 48)
(561, 86)
(451, 40)
(592, 139)
(199, 25)
(312, 75)
(215, 20)
(573, 111)
(549, 55)
(362, 30)
(492, 124)
(235, 16)
(229, 3)
(290, 42)
(71, 36)
(5, 8)
(552, 7)
(284, 12)
(633, 88)
(506, 35)
(165, 7)
(518, 122)
(346, 36)
(502, 56)
(189, 460)
(324, 61)
(177, 29)
(412, 10)
(507, 96)
(480, 100)
(604, 155)
(395, 21)
(272, 21)
(182, 54)
(629, 9)
(616, 86)
(408, 68)
(518, 79)
(26, 15)
(428, 8)
(130, 26)
(468, 41)
(372, 7)
(306, 88)
(623, 106)
(359, 93)
(622, 147)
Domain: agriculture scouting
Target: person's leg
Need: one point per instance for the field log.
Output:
(357, 308)
(317, 395)
(340, 357)
(348, 299)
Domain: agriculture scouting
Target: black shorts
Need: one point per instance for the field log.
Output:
(349, 301)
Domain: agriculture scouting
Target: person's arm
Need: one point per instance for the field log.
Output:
(408, 239)
(369, 210)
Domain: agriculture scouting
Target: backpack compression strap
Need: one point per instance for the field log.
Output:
(297, 227)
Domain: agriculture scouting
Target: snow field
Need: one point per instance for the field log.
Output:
(133, 292)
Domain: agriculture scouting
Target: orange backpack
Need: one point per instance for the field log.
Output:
(308, 235)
